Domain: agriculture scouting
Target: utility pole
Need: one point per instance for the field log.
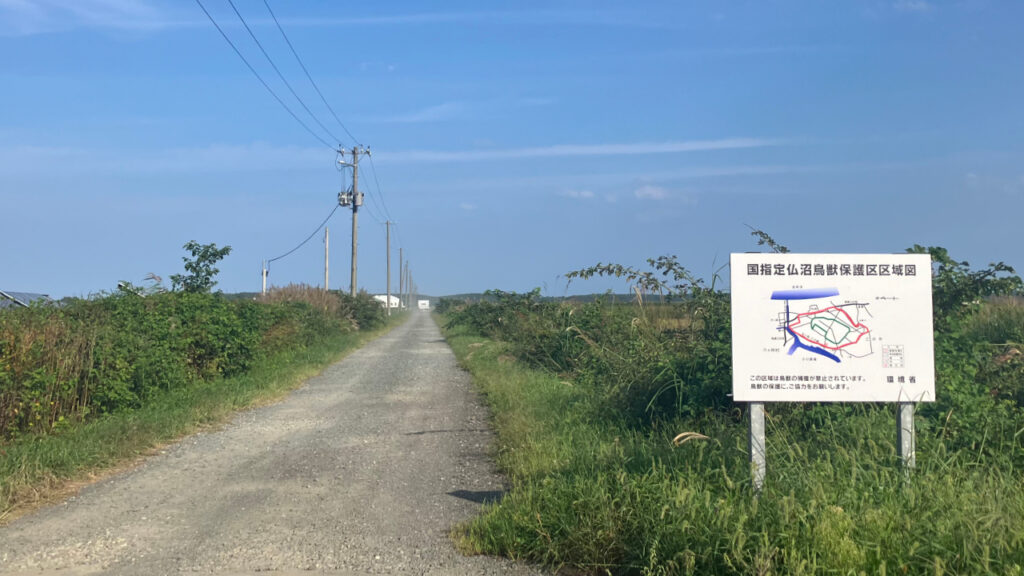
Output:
(388, 226)
(401, 278)
(264, 275)
(327, 259)
(353, 199)
(408, 303)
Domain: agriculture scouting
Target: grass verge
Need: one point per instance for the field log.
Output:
(37, 469)
(599, 495)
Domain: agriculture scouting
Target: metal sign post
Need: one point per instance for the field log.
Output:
(758, 458)
(905, 435)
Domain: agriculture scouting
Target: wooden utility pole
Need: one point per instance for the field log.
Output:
(327, 259)
(401, 278)
(388, 226)
(354, 199)
(408, 302)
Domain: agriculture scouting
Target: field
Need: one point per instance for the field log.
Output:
(588, 398)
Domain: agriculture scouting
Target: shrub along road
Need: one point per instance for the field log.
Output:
(365, 469)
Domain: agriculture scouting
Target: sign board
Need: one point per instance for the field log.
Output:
(832, 328)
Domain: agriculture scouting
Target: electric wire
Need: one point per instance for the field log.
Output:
(279, 74)
(309, 76)
(379, 205)
(380, 191)
(373, 214)
(260, 78)
(308, 238)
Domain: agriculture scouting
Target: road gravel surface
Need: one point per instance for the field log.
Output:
(363, 470)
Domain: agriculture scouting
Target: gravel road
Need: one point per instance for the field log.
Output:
(363, 470)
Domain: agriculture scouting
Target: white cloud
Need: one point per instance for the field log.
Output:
(912, 5)
(22, 159)
(467, 206)
(579, 194)
(986, 183)
(651, 192)
(438, 113)
(589, 17)
(27, 17)
(565, 150)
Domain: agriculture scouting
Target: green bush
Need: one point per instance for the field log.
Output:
(367, 313)
(112, 353)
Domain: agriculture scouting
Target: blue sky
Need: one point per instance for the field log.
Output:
(512, 141)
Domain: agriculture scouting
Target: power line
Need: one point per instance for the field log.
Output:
(309, 76)
(279, 74)
(373, 214)
(308, 238)
(377, 203)
(380, 190)
(260, 78)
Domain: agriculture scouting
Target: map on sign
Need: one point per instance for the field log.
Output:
(832, 327)
(831, 330)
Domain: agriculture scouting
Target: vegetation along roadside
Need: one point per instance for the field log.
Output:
(89, 385)
(626, 456)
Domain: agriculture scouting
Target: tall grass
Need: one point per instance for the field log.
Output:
(587, 417)
(63, 364)
(592, 491)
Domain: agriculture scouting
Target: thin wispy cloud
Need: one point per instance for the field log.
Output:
(19, 159)
(462, 110)
(25, 159)
(590, 17)
(740, 50)
(650, 192)
(912, 6)
(570, 150)
(28, 17)
(437, 113)
(577, 194)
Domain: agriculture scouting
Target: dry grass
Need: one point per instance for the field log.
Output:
(317, 297)
(48, 351)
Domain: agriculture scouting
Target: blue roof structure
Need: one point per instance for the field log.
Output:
(11, 299)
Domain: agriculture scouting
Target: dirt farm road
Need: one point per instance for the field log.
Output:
(363, 470)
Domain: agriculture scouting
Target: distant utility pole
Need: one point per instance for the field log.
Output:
(327, 259)
(408, 285)
(264, 275)
(353, 199)
(401, 279)
(388, 226)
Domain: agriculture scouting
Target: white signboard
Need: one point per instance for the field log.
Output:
(832, 328)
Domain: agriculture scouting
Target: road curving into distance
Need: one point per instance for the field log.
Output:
(363, 470)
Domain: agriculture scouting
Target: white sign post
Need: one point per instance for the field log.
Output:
(832, 328)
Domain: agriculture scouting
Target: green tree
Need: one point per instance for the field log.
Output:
(956, 288)
(199, 268)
